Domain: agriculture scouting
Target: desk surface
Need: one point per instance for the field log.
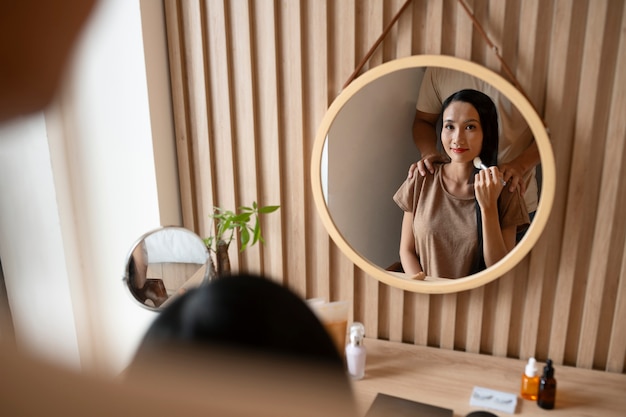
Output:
(446, 379)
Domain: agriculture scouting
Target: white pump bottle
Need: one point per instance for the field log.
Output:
(355, 351)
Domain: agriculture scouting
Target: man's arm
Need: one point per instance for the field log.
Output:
(425, 138)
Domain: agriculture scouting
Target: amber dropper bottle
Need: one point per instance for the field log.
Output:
(530, 381)
(547, 387)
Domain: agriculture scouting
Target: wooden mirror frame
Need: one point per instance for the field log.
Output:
(435, 285)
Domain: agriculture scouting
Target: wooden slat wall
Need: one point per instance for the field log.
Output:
(251, 79)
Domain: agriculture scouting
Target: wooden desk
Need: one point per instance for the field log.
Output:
(446, 379)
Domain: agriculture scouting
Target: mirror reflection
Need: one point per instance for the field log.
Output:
(460, 219)
(364, 148)
(383, 129)
(165, 263)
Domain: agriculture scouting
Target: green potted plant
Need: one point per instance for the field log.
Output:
(227, 223)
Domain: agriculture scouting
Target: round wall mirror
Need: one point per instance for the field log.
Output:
(165, 263)
(362, 153)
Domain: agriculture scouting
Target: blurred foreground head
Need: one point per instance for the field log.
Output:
(245, 313)
(36, 41)
(246, 333)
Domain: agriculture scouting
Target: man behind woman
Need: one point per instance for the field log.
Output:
(457, 221)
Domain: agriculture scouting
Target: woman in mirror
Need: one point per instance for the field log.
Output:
(518, 154)
(457, 221)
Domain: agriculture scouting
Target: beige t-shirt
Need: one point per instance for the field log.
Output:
(444, 226)
(515, 134)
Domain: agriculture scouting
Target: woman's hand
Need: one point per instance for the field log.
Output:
(420, 276)
(488, 184)
(497, 242)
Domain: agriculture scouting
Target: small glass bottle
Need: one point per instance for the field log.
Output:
(530, 381)
(547, 387)
(355, 351)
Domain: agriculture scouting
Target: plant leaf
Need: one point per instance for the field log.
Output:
(256, 232)
(245, 238)
(242, 218)
(268, 209)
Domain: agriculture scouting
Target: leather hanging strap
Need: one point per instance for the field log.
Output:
(478, 27)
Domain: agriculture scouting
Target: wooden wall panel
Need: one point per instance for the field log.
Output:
(266, 129)
(251, 80)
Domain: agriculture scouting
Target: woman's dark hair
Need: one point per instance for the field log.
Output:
(488, 120)
(247, 313)
(239, 330)
(489, 152)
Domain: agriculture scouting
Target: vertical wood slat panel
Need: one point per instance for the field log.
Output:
(218, 60)
(520, 288)
(593, 116)
(197, 109)
(175, 39)
(295, 66)
(532, 63)
(293, 159)
(265, 62)
(583, 181)
(617, 137)
(421, 305)
(617, 233)
(244, 137)
(464, 38)
(565, 15)
(317, 101)
(434, 27)
(560, 79)
(448, 321)
(502, 320)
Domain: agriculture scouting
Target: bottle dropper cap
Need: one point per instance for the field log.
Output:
(531, 367)
(548, 370)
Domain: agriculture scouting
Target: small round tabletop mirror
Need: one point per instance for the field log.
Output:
(362, 153)
(164, 263)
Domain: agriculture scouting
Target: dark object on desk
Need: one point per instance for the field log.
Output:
(481, 414)
(547, 387)
(388, 406)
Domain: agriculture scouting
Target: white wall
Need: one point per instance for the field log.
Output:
(31, 245)
(80, 185)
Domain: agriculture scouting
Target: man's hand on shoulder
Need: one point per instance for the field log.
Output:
(425, 165)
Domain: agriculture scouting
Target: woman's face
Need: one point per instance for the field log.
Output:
(461, 133)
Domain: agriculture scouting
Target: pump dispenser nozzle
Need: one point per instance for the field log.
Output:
(357, 332)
